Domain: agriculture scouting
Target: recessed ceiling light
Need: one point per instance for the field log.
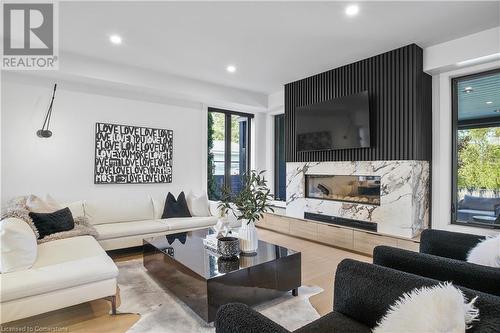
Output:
(231, 68)
(352, 10)
(115, 39)
(468, 90)
(489, 102)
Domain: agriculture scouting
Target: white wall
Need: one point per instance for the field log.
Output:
(63, 164)
(91, 90)
(276, 101)
(276, 105)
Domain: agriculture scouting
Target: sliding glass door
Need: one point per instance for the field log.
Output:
(476, 150)
(228, 150)
(239, 148)
(216, 154)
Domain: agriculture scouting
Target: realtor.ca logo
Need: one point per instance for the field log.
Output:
(29, 36)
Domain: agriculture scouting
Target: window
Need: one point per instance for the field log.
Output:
(279, 158)
(476, 150)
(228, 150)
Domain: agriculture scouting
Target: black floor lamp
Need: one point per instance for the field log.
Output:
(45, 132)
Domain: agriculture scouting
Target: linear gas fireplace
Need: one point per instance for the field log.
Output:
(358, 189)
(392, 194)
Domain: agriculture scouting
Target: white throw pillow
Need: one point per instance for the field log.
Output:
(438, 309)
(198, 204)
(76, 208)
(18, 248)
(158, 206)
(38, 205)
(486, 253)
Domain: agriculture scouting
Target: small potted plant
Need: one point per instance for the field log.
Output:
(249, 206)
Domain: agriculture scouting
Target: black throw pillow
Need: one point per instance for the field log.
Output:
(50, 223)
(175, 208)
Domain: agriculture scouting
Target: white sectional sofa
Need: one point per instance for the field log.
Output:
(66, 272)
(76, 270)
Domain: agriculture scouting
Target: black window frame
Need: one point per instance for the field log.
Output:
(277, 130)
(486, 122)
(227, 143)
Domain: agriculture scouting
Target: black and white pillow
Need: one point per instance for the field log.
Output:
(175, 207)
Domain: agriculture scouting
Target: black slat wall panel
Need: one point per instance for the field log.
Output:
(400, 106)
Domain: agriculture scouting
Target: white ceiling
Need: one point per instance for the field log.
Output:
(271, 43)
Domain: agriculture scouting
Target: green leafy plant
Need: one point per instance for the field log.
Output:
(251, 202)
(225, 202)
(479, 158)
(211, 183)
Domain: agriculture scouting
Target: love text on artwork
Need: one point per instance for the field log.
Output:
(132, 155)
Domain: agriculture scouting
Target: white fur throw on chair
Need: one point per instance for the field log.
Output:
(486, 253)
(436, 309)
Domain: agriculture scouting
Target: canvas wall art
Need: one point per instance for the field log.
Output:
(132, 155)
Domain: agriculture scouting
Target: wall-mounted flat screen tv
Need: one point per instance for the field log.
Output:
(338, 123)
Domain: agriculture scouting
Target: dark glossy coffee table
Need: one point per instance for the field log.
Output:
(205, 282)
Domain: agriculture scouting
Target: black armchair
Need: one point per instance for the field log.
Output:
(362, 295)
(442, 257)
(453, 245)
(462, 273)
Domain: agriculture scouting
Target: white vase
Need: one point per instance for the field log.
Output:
(249, 240)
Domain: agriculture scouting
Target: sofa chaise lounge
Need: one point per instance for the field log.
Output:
(76, 270)
(66, 272)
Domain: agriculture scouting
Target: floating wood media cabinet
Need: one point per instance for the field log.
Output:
(339, 236)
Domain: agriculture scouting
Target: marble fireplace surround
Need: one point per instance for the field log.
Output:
(404, 194)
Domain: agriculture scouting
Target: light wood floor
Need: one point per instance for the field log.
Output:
(319, 263)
